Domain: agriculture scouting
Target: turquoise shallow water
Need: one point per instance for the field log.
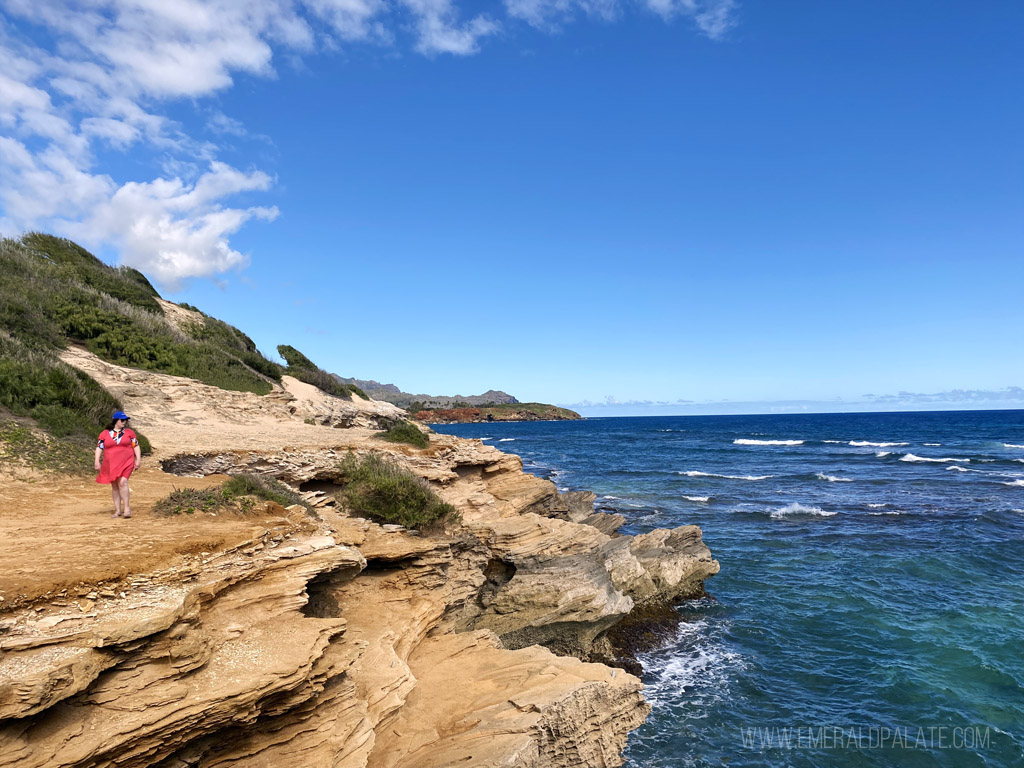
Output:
(870, 607)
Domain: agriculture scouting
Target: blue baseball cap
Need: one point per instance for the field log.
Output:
(119, 415)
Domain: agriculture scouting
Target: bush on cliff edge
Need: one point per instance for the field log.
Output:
(386, 493)
(405, 432)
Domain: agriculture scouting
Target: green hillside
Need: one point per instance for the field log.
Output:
(55, 293)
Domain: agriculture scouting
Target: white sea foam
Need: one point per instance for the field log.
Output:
(883, 454)
(506, 440)
(887, 512)
(833, 441)
(744, 441)
(959, 469)
(879, 506)
(868, 444)
(699, 665)
(1012, 445)
(833, 478)
(611, 498)
(695, 473)
(1015, 484)
(912, 457)
(801, 509)
(698, 499)
(933, 445)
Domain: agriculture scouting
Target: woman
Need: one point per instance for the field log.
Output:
(120, 453)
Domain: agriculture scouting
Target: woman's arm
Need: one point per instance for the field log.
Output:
(138, 456)
(97, 456)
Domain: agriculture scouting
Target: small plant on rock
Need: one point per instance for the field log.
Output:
(387, 493)
(237, 494)
(405, 432)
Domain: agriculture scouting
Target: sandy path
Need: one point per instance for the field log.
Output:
(57, 533)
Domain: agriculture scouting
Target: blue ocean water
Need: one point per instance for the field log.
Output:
(870, 606)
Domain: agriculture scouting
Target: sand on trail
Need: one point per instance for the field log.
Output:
(56, 532)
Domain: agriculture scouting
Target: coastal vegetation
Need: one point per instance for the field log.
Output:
(55, 294)
(238, 494)
(381, 490)
(304, 369)
(405, 432)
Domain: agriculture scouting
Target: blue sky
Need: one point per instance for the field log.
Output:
(653, 206)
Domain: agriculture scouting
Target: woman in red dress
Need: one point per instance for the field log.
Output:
(118, 448)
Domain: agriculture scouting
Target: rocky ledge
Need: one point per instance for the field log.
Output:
(339, 642)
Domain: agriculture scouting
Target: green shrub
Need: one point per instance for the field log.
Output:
(386, 493)
(305, 370)
(54, 292)
(262, 487)
(188, 501)
(405, 432)
(35, 382)
(21, 445)
(235, 494)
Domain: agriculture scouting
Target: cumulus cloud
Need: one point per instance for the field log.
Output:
(82, 79)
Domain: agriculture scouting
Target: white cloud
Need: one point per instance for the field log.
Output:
(712, 17)
(549, 14)
(439, 29)
(101, 80)
(171, 230)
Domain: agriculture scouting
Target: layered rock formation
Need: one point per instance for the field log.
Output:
(339, 642)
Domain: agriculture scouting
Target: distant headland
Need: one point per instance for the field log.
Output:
(492, 405)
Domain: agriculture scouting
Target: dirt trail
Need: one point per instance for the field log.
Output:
(57, 533)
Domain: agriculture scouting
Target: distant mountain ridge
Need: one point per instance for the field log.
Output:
(393, 394)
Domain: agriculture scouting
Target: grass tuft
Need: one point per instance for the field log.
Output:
(405, 432)
(238, 494)
(386, 493)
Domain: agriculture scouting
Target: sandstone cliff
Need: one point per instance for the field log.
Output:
(285, 639)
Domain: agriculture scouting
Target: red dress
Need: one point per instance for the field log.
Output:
(118, 454)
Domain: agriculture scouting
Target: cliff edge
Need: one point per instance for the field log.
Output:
(283, 638)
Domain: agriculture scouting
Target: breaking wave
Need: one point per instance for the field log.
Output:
(745, 441)
(1012, 445)
(698, 499)
(801, 509)
(696, 473)
(506, 440)
(833, 478)
(868, 444)
(912, 457)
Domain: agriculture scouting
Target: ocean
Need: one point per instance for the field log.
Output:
(870, 606)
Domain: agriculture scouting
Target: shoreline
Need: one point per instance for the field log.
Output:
(487, 595)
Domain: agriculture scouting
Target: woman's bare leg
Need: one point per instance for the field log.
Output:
(115, 493)
(125, 495)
